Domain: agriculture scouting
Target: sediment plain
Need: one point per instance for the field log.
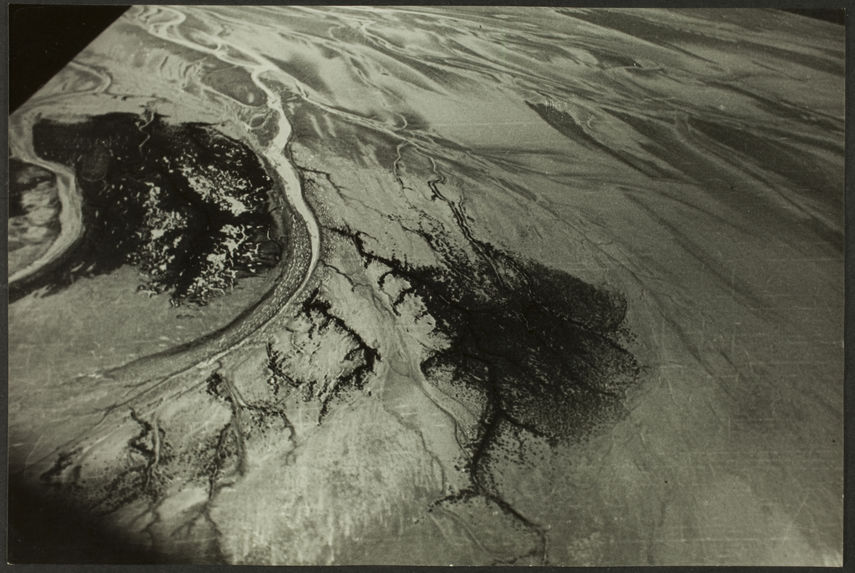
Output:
(431, 286)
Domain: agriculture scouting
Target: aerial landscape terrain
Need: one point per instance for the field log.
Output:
(431, 286)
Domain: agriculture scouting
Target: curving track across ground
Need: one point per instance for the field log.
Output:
(144, 376)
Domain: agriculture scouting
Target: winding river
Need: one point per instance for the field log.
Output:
(561, 286)
(143, 376)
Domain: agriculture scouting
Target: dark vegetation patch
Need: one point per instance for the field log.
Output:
(544, 348)
(543, 345)
(541, 348)
(186, 205)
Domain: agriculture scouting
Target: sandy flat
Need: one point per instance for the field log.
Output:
(568, 290)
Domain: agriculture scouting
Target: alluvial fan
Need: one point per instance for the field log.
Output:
(431, 286)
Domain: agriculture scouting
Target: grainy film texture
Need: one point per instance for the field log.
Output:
(470, 286)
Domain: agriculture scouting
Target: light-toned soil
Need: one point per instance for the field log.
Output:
(482, 194)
